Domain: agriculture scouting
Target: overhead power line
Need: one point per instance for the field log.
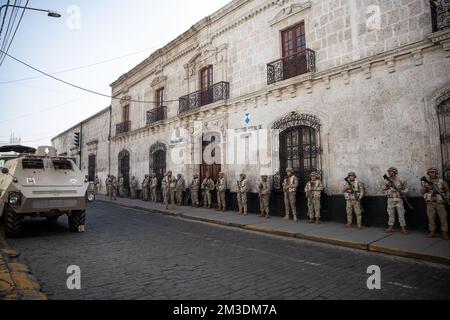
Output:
(79, 87)
(76, 68)
(10, 26)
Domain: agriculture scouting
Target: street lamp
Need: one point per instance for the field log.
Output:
(51, 13)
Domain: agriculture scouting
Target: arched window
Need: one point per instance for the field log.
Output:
(124, 169)
(157, 158)
(444, 125)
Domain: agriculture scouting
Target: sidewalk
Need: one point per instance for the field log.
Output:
(415, 245)
(16, 281)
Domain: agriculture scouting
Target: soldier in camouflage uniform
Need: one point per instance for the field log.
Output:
(221, 187)
(242, 194)
(395, 200)
(108, 184)
(145, 185)
(436, 195)
(154, 188)
(114, 188)
(121, 187)
(290, 185)
(181, 186)
(207, 187)
(168, 187)
(354, 193)
(195, 187)
(313, 191)
(134, 187)
(264, 190)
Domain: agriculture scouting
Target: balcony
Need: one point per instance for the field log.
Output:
(157, 114)
(291, 66)
(123, 127)
(440, 14)
(217, 92)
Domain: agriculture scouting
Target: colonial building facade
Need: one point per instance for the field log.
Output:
(259, 86)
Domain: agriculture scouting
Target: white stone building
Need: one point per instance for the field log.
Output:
(322, 85)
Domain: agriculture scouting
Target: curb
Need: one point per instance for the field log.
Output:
(332, 241)
(16, 280)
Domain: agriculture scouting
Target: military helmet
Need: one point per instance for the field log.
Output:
(351, 174)
(264, 176)
(315, 174)
(289, 170)
(432, 170)
(393, 169)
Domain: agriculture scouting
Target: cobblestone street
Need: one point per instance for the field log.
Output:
(132, 254)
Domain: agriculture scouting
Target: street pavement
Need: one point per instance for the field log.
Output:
(132, 254)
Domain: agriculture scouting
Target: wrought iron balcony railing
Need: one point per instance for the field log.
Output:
(217, 92)
(123, 127)
(440, 14)
(293, 65)
(157, 114)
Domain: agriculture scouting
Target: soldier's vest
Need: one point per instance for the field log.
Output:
(354, 195)
(312, 186)
(433, 196)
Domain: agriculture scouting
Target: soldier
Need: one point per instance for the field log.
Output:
(221, 187)
(436, 195)
(169, 184)
(154, 187)
(242, 194)
(121, 186)
(207, 187)
(181, 186)
(264, 197)
(96, 185)
(195, 187)
(134, 187)
(145, 184)
(290, 185)
(395, 200)
(114, 186)
(354, 192)
(108, 184)
(313, 191)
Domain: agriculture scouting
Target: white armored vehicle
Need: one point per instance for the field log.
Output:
(37, 183)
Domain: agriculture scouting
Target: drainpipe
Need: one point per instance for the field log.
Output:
(109, 141)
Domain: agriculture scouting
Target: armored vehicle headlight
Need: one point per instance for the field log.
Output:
(14, 198)
(90, 197)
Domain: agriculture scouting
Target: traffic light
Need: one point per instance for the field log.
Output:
(76, 139)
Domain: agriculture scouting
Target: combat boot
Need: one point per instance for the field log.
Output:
(348, 225)
(311, 221)
(317, 220)
(295, 218)
(286, 217)
(267, 216)
(445, 235)
(389, 230)
(360, 227)
(404, 231)
(432, 234)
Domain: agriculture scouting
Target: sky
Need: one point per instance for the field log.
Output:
(101, 39)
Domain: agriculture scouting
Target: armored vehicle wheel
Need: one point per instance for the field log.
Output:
(12, 223)
(52, 219)
(77, 221)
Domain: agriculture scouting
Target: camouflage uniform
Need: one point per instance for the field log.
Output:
(195, 187)
(121, 187)
(353, 195)
(436, 203)
(134, 187)
(154, 188)
(96, 185)
(114, 187)
(181, 186)
(108, 184)
(207, 187)
(168, 187)
(290, 185)
(242, 194)
(221, 187)
(145, 185)
(313, 191)
(395, 200)
(264, 196)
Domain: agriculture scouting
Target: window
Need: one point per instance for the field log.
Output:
(126, 113)
(293, 39)
(62, 164)
(32, 163)
(160, 97)
(206, 78)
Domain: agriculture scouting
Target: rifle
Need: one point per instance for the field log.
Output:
(436, 190)
(396, 189)
(354, 192)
